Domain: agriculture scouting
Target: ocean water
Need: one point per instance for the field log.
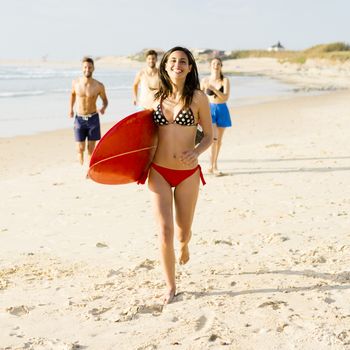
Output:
(36, 99)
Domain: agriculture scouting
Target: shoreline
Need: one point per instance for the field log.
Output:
(248, 101)
(314, 73)
(247, 91)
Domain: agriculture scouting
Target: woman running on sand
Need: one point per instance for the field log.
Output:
(174, 175)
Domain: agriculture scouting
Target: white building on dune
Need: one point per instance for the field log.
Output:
(276, 47)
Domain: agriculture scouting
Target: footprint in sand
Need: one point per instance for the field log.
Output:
(112, 273)
(148, 347)
(3, 284)
(204, 323)
(101, 245)
(329, 300)
(17, 335)
(183, 296)
(155, 309)
(146, 264)
(98, 311)
(344, 337)
(200, 323)
(132, 312)
(18, 310)
(343, 277)
(222, 241)
(103, 286)
(274, 304)
(202, 241)
(281, 327)
(52, 344)
(276, 237)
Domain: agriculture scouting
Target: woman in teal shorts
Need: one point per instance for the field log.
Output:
(217, 88)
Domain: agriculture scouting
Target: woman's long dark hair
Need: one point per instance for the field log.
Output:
(191, 82)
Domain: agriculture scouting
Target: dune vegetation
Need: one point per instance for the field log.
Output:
(338, 51)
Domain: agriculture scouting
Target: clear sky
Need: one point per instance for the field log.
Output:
(69, 29)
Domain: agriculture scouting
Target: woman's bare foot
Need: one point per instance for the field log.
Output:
(218, 172)
(169, 296)
(184, 254)
(210, 171)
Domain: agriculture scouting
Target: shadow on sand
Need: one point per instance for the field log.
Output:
(342, 279)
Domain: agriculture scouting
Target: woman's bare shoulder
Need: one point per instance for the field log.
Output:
(199, 96)
(155, 104)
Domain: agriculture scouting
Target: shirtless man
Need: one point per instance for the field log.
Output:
(148, 80)
(87, 121)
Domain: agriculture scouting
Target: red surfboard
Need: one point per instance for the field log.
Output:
(125, 152)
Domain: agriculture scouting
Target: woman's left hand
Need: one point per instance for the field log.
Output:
(189, 157)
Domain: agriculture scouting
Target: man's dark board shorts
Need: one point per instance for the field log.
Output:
(87, 127)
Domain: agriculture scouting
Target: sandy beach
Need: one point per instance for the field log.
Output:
(316, 74)
(270, 252)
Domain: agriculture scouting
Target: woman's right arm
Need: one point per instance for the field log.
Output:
(72, 100)
(223, 96)
(205, 122)
(135, 87)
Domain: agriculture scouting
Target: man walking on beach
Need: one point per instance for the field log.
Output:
(148, 81)
(87, 121)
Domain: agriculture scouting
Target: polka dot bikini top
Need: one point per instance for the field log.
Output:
(185, 117)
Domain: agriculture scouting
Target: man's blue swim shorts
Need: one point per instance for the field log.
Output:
(87, 126)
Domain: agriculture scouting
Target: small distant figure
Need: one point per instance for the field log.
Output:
(217, 88)
(146, 82)
(87, 121)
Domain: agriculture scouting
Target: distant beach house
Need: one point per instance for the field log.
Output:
(276, 47)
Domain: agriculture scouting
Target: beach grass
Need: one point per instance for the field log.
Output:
(337, 51)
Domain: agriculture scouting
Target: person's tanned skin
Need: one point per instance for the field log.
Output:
(86, 90)
(147, 80)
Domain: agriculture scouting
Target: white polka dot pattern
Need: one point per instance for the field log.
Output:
(185, 117)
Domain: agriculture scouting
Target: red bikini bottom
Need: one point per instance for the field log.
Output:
(173, 176)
